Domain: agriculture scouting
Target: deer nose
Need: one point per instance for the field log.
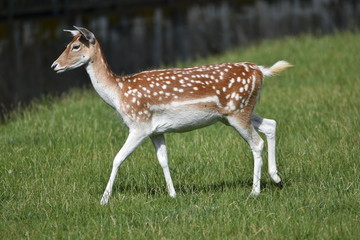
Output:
(57, 68)
(54, 65)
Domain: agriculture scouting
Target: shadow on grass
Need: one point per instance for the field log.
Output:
(189, 188)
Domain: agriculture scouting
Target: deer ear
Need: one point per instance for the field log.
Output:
(73, 32)
(86, 34)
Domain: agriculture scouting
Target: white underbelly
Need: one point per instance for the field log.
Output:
(183, 119)
(185, 115)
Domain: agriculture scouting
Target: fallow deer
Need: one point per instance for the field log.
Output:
(152, 103)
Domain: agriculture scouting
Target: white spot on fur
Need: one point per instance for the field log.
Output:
(246, 67)
(231, 106)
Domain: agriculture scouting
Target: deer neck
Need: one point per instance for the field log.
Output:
(103, 79)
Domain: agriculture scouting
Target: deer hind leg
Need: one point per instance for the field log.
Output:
(268, 127)
(160, 148)
(131, 143)
(256, 144)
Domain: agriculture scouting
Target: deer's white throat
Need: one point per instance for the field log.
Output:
(105, 90)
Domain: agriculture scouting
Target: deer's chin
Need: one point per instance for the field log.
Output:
(68, 68)
(61, 70)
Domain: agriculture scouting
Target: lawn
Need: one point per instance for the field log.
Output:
(56, 157)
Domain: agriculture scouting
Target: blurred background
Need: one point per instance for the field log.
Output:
(143, 34)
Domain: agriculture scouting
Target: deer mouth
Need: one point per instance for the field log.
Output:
(57, 68)
(60, 70)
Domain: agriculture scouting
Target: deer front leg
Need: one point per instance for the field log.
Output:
(131, 143)
(160, 148)
(268, 127)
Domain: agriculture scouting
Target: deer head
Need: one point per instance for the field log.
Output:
(78, 52)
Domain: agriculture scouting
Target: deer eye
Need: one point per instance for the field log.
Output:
(75, 47)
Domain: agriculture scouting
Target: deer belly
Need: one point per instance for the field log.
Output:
(183, 119)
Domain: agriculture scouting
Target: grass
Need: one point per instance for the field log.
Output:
(56, 157)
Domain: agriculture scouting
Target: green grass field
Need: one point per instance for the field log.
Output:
(56, 157)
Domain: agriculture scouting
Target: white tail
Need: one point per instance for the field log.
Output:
(275, 69)
(152, 103)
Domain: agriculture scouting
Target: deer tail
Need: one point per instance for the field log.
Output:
(275, 69)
